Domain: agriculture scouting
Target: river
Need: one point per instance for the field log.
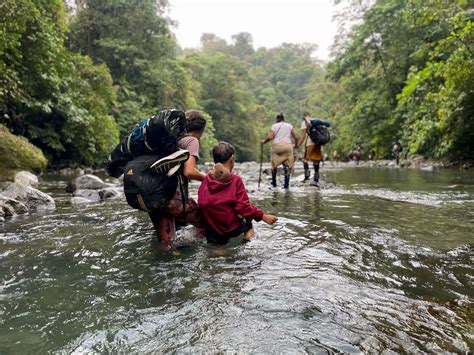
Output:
(377, 259)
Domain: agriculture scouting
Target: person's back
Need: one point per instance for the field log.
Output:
(282, 148)
(223, 200)
(222, 204)
(282, 133)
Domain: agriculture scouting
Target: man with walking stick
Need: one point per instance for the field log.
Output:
(282, 148)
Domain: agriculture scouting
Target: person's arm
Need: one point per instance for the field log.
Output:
(242, 203)
(191, 171)
(295, 137)
(303, 136)
(270, 137)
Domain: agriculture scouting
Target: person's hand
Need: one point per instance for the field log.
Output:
(269, 218)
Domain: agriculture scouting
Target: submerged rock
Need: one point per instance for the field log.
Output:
(79, 200)
(90, 195)
(111, 193)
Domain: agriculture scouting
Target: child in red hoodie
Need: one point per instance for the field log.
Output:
(223, 200)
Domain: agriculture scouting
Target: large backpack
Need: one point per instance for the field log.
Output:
(319, 134)
(157, 136)
(150, 182)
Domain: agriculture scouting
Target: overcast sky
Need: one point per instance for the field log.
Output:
(270, 22)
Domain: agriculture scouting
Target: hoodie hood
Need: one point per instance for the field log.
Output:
(216, 186)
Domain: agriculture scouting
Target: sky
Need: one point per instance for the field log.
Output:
(270, 22)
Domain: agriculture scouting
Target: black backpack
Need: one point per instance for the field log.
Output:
(146, 189)
(157, 136)
(318, 134)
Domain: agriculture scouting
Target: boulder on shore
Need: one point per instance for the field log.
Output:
(26, 178)
(33, 199)
(10, 207)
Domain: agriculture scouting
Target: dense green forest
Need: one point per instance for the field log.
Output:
(73, 80)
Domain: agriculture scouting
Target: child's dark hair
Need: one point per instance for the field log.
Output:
(306, 114)
(195, 121)
(222, 151)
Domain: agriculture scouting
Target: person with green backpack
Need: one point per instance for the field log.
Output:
(316, 135)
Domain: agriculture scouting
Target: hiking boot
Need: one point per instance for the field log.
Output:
(274, 176)
(170, 164)
(315, 183)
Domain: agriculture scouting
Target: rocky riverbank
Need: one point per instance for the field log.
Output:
(22, 196)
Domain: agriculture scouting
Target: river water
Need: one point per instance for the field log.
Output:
(375, 260)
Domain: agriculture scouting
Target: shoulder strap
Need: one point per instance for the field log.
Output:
(278, 130)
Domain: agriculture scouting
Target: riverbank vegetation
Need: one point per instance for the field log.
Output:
(17, 154)
(74, 80)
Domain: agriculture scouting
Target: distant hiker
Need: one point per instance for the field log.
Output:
(282, 148)
(181, 207)
(356, 155)
(334, 155)
(223, 200)
(371, 154)
(396, 150)
(312, 150)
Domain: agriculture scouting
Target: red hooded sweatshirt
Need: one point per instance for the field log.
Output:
(224, 204)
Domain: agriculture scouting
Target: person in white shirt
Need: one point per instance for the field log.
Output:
(282, 148)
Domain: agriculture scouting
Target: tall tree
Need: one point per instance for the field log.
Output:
(373, 62)
(134, 40)
(49, 94)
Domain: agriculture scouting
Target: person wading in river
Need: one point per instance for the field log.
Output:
(282, 148)
(223, 200)
(181, 207)
(312, 151)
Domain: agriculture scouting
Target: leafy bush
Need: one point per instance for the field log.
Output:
(16, 154)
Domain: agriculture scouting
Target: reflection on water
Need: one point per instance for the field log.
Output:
(376, 260)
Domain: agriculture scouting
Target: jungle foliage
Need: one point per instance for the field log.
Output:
(74, 80)
(404, 71)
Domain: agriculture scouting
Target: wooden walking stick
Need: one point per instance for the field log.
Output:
(261, 161)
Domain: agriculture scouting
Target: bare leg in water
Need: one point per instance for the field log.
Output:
(164, 221)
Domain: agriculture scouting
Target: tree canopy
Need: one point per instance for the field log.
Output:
(73, 82)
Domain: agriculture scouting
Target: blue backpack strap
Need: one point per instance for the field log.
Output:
(144, 128)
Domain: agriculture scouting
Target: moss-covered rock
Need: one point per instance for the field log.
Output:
(16, 154)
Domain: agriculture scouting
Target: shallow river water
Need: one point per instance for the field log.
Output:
(375, 260)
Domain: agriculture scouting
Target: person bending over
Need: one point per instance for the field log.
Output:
(223, 200)
(181, 207)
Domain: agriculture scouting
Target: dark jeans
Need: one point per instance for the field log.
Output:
(215, 238)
